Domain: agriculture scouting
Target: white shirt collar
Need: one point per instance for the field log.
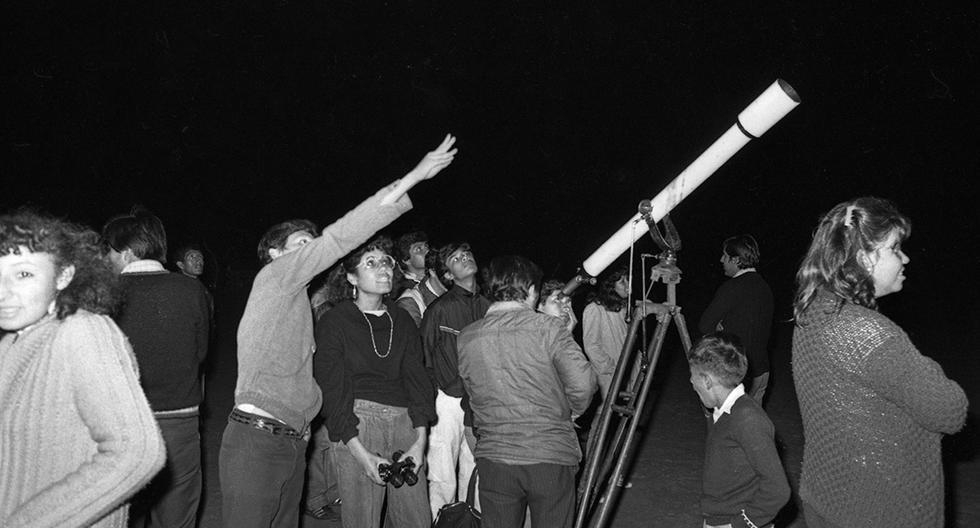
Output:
(507, 306)
(143, 266)
(726, 407)
(743, 272)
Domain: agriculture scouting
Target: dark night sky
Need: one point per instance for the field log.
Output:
(225, 117)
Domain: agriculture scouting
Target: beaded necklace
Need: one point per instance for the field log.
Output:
(391, 334)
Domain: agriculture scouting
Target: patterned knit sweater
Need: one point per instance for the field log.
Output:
(874, 411)
(77, 437)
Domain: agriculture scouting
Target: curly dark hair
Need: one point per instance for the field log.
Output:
(94, 286)
(606, 295)
(336, 288)
(403, 246)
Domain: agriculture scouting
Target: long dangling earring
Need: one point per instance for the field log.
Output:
(353, 292)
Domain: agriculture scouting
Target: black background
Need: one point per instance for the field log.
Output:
(225, 117)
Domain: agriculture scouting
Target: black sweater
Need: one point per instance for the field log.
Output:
(347, 367)
(743, 306)
(166, 318)
(742, 471)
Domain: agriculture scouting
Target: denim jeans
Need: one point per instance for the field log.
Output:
(508, 490)
(383, 429)
(172, 497)
(449, 458)
(321, 476)
(261, 477)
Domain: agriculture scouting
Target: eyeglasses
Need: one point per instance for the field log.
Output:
(462, 256)
(373, 263)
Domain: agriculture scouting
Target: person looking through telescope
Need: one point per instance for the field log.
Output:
(526, 378)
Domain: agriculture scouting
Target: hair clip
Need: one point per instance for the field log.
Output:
(847, 216)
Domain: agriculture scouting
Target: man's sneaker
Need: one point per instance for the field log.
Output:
(329, 512)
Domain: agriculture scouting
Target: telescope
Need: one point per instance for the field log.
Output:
(764, 112)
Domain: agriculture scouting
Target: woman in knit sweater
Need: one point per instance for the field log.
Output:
(377, 396)
(77, 437)
(874, 409)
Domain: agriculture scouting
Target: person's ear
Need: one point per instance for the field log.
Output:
(180, 265)
(275, 253)
(707, 380)
(64, 278)
(352, 279)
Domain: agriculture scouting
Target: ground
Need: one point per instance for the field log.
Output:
(665, 474)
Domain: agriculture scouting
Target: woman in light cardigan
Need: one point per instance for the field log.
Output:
(604, 326)
(77, 437)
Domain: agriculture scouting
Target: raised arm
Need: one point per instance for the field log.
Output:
(431, 164)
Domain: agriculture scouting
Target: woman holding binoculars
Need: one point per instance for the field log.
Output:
(377, 397)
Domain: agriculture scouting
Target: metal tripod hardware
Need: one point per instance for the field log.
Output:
(607, 461)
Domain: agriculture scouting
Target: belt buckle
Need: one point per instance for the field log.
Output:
(261, 423)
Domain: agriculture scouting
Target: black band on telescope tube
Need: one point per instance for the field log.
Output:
(742, 128)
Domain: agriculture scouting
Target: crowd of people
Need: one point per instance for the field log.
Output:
(410, 374)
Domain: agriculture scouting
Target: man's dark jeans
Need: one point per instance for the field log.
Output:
(506, 490)
(261, 477)
(172, 497)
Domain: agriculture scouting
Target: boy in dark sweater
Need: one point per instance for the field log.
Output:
(743, 484)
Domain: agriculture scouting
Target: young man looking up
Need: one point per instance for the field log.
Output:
(443, 320)
(263, 450)
(419, 285)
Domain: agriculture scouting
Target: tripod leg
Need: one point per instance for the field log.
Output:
(682, 329)
(594, 453)
(629, 443)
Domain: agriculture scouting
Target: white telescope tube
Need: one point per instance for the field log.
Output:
(755, 120)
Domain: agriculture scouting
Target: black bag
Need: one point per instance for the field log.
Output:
(460, 514)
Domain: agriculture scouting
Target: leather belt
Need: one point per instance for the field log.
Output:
(262, 423)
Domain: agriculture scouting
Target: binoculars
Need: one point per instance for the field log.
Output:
(400, 471)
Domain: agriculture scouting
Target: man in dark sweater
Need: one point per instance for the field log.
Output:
(743, 306)
(744, 485)
(443, 321)
(166, 318)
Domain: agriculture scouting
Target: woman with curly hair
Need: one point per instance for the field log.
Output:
(604, 325)
(77, 435)
(377, 396)
(874, 409)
